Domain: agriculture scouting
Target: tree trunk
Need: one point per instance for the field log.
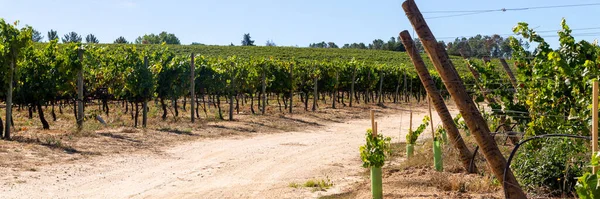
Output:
(45, 124)
(106, 108)
(219, 107)
(184, 102)
(438, 103)
(1, 127)
(145, 113)
(237, 104)
(53, 114)
(279, 103)
(475, 122)
(164, 108)
(252, 103)
(30, 110)
(176, 107)
(136, 115)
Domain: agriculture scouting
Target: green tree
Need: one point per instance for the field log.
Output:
(121, 40)
(332, 45)
(163, 37)
(71, 37)
(91, 39)
(247, 40)
(36, 36)
(52, 35)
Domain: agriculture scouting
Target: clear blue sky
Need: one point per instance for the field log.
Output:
(286, 22)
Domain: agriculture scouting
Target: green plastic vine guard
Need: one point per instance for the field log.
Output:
(410, 150)
(437, 156)
(376, 183)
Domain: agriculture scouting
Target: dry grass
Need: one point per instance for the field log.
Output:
(416, 178)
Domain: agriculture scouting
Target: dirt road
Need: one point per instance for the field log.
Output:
(261, 166)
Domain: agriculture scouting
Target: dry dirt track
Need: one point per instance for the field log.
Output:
(252, 167)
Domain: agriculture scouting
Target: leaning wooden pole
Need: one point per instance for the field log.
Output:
(475, 121)
(509, 72)
(438, 103)
(485, 92)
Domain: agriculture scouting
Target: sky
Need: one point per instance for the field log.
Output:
(290, 22)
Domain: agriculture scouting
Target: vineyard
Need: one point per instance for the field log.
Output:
(524, 122)
(46, 75)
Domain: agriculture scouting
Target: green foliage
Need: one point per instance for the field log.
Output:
(163, 37)
(553, 167)
(71, 37)
(555, 85)
(374, 152)
(412, 136)
(587, 186)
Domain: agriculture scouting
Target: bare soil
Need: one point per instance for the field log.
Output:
(252, 157)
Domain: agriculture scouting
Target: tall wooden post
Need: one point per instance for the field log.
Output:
(264, 89)
(595, 121)
(11, 73)
(475, 121)
(352, 85)
(192, 86)
(231, 91)
(511, 76)
(315, 93)
(80, 91)
(438, 103)
(292, 87)
(145, 103)
(372, 114)
(380, 97)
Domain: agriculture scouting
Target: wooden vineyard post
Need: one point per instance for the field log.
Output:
(80, 91)
(376, 175)
(145, 103)
(264, 89)
(291, 87)
(511, 76)
(475, 121)
(372, 113)
(380, 96)
(192, 87)
(11, 73)
(438, 103)
(231, 92)
(405, 88)
(315, 93)
(430, 117)
(595, 121)
(352, 85)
